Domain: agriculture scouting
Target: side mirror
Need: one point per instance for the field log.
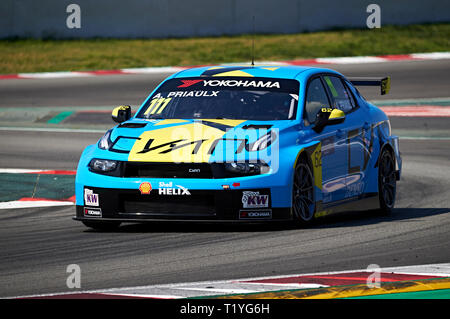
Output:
(121, 113)
(328, 116)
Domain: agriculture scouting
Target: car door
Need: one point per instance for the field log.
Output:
(356, 134)
(333, 139)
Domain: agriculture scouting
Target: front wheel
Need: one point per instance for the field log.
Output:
(303, 204)
(387, 182)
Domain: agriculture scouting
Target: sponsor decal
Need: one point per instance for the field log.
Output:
(242, 83)
(254, 200)
(194, 170)
(92, 212)
(90, 199)
(145, 188)
(188, 83)
(168, 189)
(255, 214)
(193, 94)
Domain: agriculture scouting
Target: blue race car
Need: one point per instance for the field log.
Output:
(230, 143)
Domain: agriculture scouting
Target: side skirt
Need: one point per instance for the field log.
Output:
(364, 202)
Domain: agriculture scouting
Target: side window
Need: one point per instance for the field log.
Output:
(316, 98)
(343, 100)
(354, 91)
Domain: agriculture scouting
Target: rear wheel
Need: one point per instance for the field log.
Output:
(303, 204)
(102, 225)
(387, 182)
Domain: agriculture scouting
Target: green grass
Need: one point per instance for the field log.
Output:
(29, 55)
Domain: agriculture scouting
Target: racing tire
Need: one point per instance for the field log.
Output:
(387, 182)
(303, 201)
(102, 225)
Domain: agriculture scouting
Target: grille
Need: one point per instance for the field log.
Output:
(192, 205)
(168, 170)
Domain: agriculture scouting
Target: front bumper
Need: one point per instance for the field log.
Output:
(129, 205)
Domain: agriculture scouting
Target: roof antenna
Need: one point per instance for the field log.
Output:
(253, 43)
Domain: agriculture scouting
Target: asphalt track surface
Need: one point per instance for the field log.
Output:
(36, 245)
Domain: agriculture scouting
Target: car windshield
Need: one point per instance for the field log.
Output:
(242, 98)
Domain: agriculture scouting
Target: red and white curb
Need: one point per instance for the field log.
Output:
(260, 284)
(417, 111)
(31, 202)
(173, 69)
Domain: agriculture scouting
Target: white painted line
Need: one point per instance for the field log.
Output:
(174, 69)
(168, 69)
(352, 60)
(226, 291)
(424, 138)
(410, 102)
(148, 296)
(442, 270)
(281, 285)
(33, 204)
(431, 55)
(20, 170)
(53, 75)
(42, 129)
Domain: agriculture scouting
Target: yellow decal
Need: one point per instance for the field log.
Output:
(316, 159)
(170, 121)
(336, 113)
(385, 85)
(190, 143)
(271, 69)
(116, 110)
(154, 107)
(234, 73)
(216, 67)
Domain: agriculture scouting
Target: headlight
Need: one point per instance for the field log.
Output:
(247, 168)
(102, 165)
(263, 142)
(105, 142)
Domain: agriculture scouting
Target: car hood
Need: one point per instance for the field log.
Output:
(199, 140)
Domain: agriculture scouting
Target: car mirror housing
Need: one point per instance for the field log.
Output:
(121, 113)
(336, 117)
(328, 116)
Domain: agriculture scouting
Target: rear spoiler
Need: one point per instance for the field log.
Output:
(384, 83)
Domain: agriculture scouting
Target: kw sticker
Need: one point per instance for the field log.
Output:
(254, 200)
(90, 199)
